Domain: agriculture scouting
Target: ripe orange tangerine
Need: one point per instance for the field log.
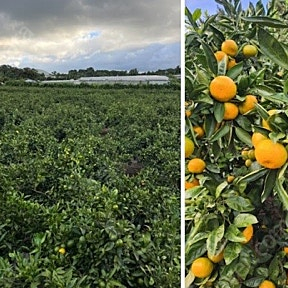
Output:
(199, 131)
(265, 123)
(220, 55)
(269, 154)
(248, 233)
(202, 267)
(257, 137)
(248, 104)
(193, 183)
(196, 165)
(222, 88)
(216, 258)
(267, 284)
(229, 47)
(231, 63)
(230, 111)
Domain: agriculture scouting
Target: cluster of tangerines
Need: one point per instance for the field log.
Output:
(267, 152)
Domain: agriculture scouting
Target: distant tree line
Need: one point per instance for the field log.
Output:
(13, 73)
(90, 72)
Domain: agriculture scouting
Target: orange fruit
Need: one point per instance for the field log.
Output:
(257, 137)
(251, 154)
(223, 88)
(62, 251)
(193, 183)
(231, 63)
(230, 111)
(230, 178)
(199, 131)
(216, 258)
(229, 47)
(202, 267)
(270, 154)
(267, 284)
(220, 55)
(248, 163)
(265, 123)
(196, 165)
(188, 113)
(249, 50)
(248, 104)
(248, 233)
(189, 147)
(285, 249)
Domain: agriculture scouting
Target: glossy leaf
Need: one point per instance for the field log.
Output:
(272, 48)
(214, 239)
(266, 21)
(269, 184)
(244, 219)
(210, 58)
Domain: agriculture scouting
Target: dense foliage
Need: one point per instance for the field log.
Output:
(72, 214)
(237, 210)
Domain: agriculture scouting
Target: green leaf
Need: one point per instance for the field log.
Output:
(269, 184)
(253, 176)
(217, 34)
(214, 239)
(243, 135)
(235, 71)
(265, 21)
(244, 220)
(222, 67)
(254, 282)
(272, 48)
(231, 252)
(262, 90)
(196, 14)
(282, 194)
(210, 125)
(219, 111)
(240, 204)
(210, 58)
(233, 234)
(220, 133)
(261, 111)
(220, 188)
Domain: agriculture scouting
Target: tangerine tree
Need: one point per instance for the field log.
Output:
(238, 209)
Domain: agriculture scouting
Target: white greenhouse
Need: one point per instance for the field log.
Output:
(137, 79)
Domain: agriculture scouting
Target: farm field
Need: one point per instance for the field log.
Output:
(90, 191)
(236, 143)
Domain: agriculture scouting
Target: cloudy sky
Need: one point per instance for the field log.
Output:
(60, 35)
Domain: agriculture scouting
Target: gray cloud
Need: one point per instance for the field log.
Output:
(69, 29)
